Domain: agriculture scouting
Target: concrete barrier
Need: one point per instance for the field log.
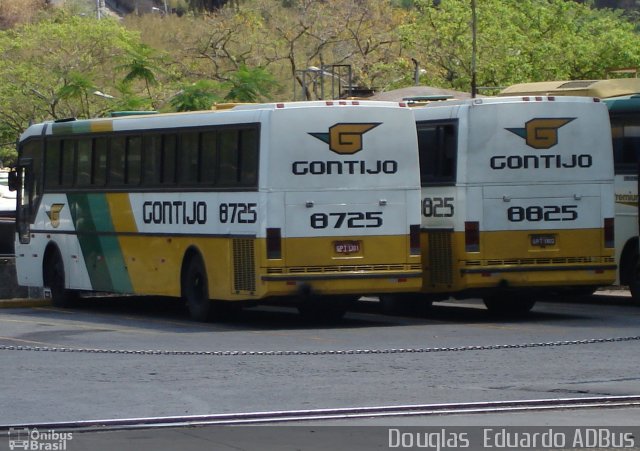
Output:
(9, 288)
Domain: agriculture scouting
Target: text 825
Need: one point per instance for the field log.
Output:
(437, 207)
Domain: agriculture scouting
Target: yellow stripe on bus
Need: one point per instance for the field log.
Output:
(101, 126)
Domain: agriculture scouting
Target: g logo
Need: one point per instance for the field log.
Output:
(54, 214)
(345, 139)
(541, 133)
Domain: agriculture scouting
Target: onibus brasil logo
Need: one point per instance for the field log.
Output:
(345, 138)
(33, 439)
(541, 133)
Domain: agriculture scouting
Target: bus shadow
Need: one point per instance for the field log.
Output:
(169, 314)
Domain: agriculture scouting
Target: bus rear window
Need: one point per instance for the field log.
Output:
(437, 144)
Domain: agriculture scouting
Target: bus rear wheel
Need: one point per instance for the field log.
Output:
(195, 290)
(503, 304)
(54, 280)
(328, 309)
(405, 304)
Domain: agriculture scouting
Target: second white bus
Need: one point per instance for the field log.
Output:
(517, 197)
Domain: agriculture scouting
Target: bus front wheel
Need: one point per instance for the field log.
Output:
(195, 291)
(54, 280)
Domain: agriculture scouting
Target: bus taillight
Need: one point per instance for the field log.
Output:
(609, 235)
(472, 236)
(414, 239)
(274, 244)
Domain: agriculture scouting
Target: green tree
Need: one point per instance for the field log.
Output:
(77, 86)
(528, 40)
(141, 63)
(201, 95)
(51, 69)
(250, 84)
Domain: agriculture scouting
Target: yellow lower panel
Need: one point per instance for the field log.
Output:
(155, 263)
(381, 264)
(511, 258)
(537, 279)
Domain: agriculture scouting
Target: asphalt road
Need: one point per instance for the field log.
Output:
(289, 364)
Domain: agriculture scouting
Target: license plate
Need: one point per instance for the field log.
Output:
(346, 247)
(543, 240)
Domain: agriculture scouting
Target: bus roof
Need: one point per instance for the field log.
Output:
(503, 100)
(623, 104)
(132, 120)
(591, 88)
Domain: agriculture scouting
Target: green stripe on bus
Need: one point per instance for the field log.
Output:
(64, 128)
(100, 246)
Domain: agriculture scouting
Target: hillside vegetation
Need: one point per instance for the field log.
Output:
(61, 61)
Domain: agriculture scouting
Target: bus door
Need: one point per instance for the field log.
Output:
(23, 182)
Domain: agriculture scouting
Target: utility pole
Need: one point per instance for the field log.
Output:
(100, 7)
(474, 88)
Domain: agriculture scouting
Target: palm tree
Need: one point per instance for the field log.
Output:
(141, 64)
(201, 95)
(250, 84)
(77, 85)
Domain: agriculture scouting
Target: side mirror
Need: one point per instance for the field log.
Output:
(13, 180)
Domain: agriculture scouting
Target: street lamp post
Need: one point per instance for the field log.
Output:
(474, 87)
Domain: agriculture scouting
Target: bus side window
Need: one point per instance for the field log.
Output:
(152, 145)
(249, 158)
(626, 143)
(189, 158)
(169, 143)
(84, 162)
(228, 169)
(68, 161)
(99, 174)
(52, 163)
(117, 160)
(209, 157)
(437, 144)
(134, 160)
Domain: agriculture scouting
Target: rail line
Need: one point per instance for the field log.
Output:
(292, 416)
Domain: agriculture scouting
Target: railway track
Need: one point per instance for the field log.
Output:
(293, 416)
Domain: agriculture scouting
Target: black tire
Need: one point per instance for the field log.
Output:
(405, 304)
(195, 290)
(54, 279)
(322, 310)
(634, 284)
(631, 276)
(509, 304)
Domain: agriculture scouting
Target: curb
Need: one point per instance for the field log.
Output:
(24, 303)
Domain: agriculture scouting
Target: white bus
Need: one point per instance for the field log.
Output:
(517, 197)
(313, 201)
(622, 97)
